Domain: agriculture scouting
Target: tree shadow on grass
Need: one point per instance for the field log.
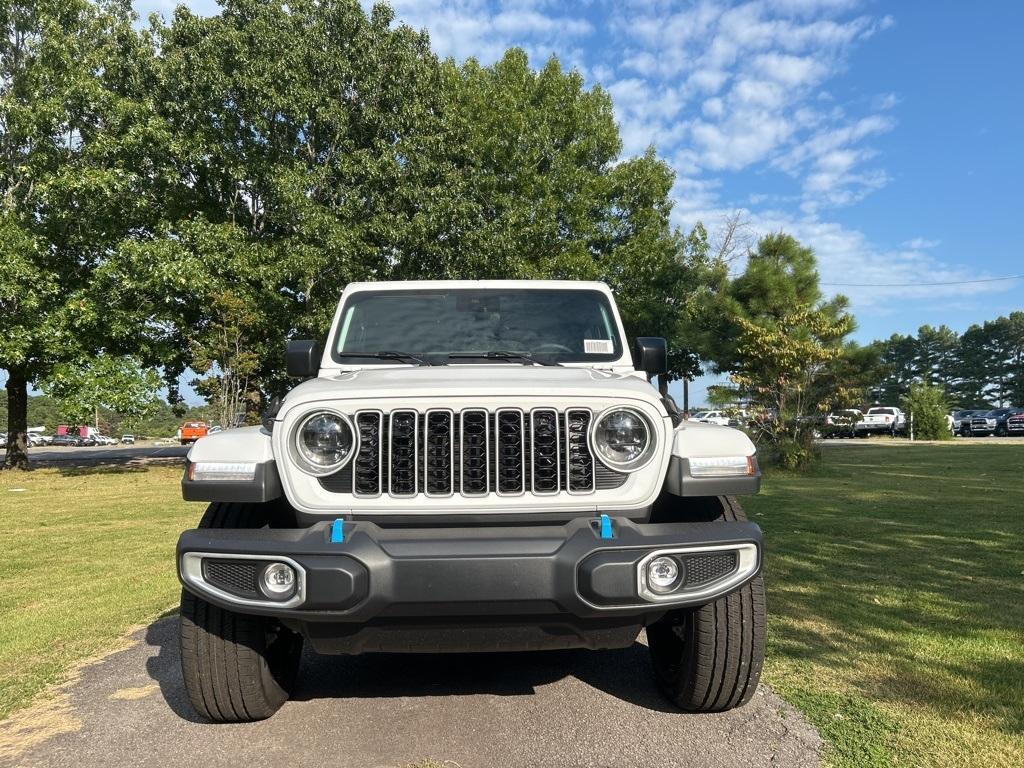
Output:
(109, 468)
(907, 585)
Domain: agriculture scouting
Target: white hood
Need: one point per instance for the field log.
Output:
(510, 381)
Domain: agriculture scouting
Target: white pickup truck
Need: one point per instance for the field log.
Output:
(881, 420)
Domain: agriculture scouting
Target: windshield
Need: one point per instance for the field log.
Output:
(882, 411)
(562, 326)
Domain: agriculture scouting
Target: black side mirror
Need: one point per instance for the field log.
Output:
(650, 355)
(302, 360)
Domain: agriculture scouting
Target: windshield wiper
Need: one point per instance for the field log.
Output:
(502, 355)
(388, 354)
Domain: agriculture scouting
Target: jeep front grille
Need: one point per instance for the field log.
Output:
(473, 452)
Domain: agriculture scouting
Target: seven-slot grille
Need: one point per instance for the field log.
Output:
(473, 452)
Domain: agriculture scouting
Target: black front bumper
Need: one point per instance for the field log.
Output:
(581, 569)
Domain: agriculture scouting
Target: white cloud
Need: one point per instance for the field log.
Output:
(874, 277)
(921, 244)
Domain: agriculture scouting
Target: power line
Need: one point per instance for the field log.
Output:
(911, 285)
(920, 285)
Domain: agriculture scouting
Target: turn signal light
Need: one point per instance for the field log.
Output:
(723, 466)
(222, 471)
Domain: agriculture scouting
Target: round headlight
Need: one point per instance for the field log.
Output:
(622, 439)
(324, 442)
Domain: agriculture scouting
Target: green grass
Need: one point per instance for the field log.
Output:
(84, 556)
(895, 593)
(894, 574)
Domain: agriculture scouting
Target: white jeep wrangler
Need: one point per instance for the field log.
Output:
(471, 466)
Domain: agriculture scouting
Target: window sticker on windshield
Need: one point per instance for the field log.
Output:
(598, 346)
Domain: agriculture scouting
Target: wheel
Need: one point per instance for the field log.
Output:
(1001, 432)
(236, 667)
(709, 659)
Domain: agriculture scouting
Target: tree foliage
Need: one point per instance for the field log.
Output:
(782, 344)
(927, 405)
(983, 367)
(77, 128)
(118, 384)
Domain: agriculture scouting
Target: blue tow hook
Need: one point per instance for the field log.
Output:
(338, 531)
(606, 527)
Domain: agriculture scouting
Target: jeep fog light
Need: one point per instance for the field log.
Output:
(723, 466)
(222, 471)
(663, 574)
(278, 580)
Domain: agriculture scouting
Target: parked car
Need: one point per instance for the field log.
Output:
(712, 417)
(1015, 423)
(68, 440)
(128, 439)
(842, 423)
(1001, 416)
(882, 419)
(640, 528)
(191, 431)
(3, 439)
(962, 421)
(983, 424)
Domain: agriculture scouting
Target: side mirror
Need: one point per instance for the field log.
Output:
(650, 355)
(302, 360)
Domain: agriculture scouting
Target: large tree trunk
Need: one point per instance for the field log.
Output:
(17, 421)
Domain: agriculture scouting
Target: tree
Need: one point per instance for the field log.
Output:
(936, 354)
(1014, 334)
(75, 130)
(782, 344)
(899, 368)
(228, 349)
(928, 406)
(118, 384)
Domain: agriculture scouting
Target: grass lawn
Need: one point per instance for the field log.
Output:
(894, 575)
(896, 593)
(86, 554)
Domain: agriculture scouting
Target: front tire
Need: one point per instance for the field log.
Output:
(236, 667)
(709, 659)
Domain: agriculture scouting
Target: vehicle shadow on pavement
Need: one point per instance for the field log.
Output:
(625, 674)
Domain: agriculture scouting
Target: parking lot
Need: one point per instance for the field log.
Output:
(105, 454)
(991, 440)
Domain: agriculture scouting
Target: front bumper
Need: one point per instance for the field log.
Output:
(588, 569)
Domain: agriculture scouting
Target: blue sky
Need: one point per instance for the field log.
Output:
(886, 136)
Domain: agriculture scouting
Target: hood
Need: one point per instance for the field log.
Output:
(509, 380)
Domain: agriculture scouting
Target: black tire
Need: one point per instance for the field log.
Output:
(709, 659)
(236, 667)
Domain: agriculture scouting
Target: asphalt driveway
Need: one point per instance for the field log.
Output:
(104, 454)
(566, 708)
